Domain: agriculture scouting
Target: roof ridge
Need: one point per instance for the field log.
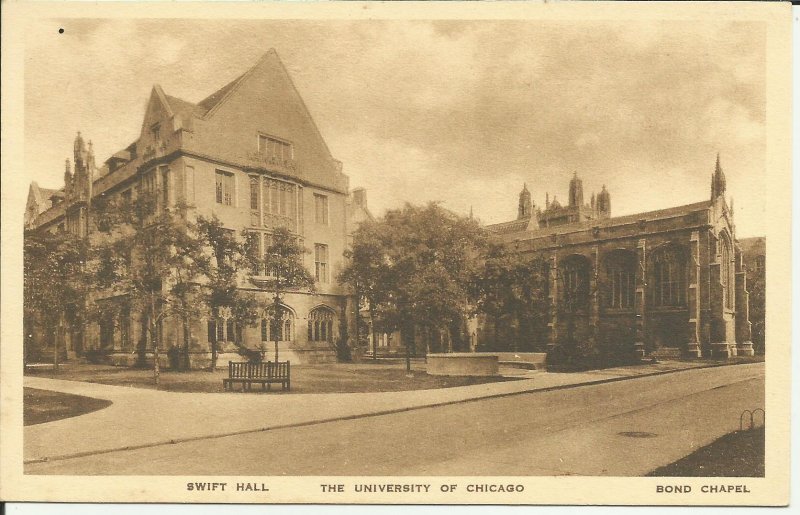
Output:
(225, 91)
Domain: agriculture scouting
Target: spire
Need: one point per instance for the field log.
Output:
(78, 151)
(717, 181)
(575, 191)
(547, 200)
(470, 212)
(592, 201)
(604, 201)
(525, 207)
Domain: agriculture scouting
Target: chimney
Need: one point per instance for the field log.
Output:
(360, 197)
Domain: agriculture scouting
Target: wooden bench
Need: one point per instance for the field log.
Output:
(264, 373)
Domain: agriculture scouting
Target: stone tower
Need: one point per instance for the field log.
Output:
(78, 185)
(575, 191)
(603, 203)
(525, 208)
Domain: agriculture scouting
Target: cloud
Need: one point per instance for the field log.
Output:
(462, 111)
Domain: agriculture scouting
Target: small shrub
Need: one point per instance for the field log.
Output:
(97, 356)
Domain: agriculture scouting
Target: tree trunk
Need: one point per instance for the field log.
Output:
(55, 348)
(154, 340)
(408, 358)
(215, 313)
(357, 345)
(497, 332)
(374, 339)
(186, 337)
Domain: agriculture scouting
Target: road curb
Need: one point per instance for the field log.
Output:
(172, 441)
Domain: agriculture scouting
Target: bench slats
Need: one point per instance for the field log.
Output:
(264, 373)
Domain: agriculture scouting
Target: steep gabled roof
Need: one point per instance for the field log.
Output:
(214, 99)
(179, 105)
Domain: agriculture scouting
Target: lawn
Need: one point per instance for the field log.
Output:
(42, 406)
(737, 454)
(389, 376)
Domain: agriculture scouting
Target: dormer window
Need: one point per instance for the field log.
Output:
(155, 131)
(273, 147)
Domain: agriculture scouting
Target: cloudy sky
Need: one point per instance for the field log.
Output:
(460, 112)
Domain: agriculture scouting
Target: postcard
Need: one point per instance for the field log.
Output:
(396, 253)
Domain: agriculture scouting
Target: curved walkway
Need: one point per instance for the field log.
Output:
(142, 418)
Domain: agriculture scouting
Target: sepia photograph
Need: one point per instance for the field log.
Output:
(397, 254)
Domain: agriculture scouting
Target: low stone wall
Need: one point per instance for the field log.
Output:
(463, 364)
(536, 359)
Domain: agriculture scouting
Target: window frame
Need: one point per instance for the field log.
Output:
(321, 209)
(321, 267)
(669, 278)
(284, 144)
(219, 187)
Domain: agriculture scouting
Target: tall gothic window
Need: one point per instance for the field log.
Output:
(320, 209)
(575, 282)
(255, 200)
(621, 274)
(321, 262)
(668, 277)
(279, 327)
(280, 204)
(320, 324)
(726, 271)
(224, 188)
(165, 186)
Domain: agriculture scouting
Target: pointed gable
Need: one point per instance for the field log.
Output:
(158, 109)
(263, 101)
(39, 201)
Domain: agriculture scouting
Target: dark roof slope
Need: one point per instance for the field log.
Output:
(211, 101)
(179, 105)
(608, 222)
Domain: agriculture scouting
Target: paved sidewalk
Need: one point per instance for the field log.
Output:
(140, 417)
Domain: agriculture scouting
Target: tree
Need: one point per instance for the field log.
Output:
(221, 273)
(283, 259)
(513, 287)
(149, 256)
(368, 272)
(414, 267)
(757, 301)
(54, 285)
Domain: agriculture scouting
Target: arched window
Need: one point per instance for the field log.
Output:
(726, 270)
(575, 282)
(279, 327)
(621, 277)
(668, 277)
(230, 329)
(320, 324)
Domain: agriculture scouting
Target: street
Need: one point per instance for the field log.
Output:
(622, 428)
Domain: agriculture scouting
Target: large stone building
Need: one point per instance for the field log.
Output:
(670, 281)
(251, 154)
